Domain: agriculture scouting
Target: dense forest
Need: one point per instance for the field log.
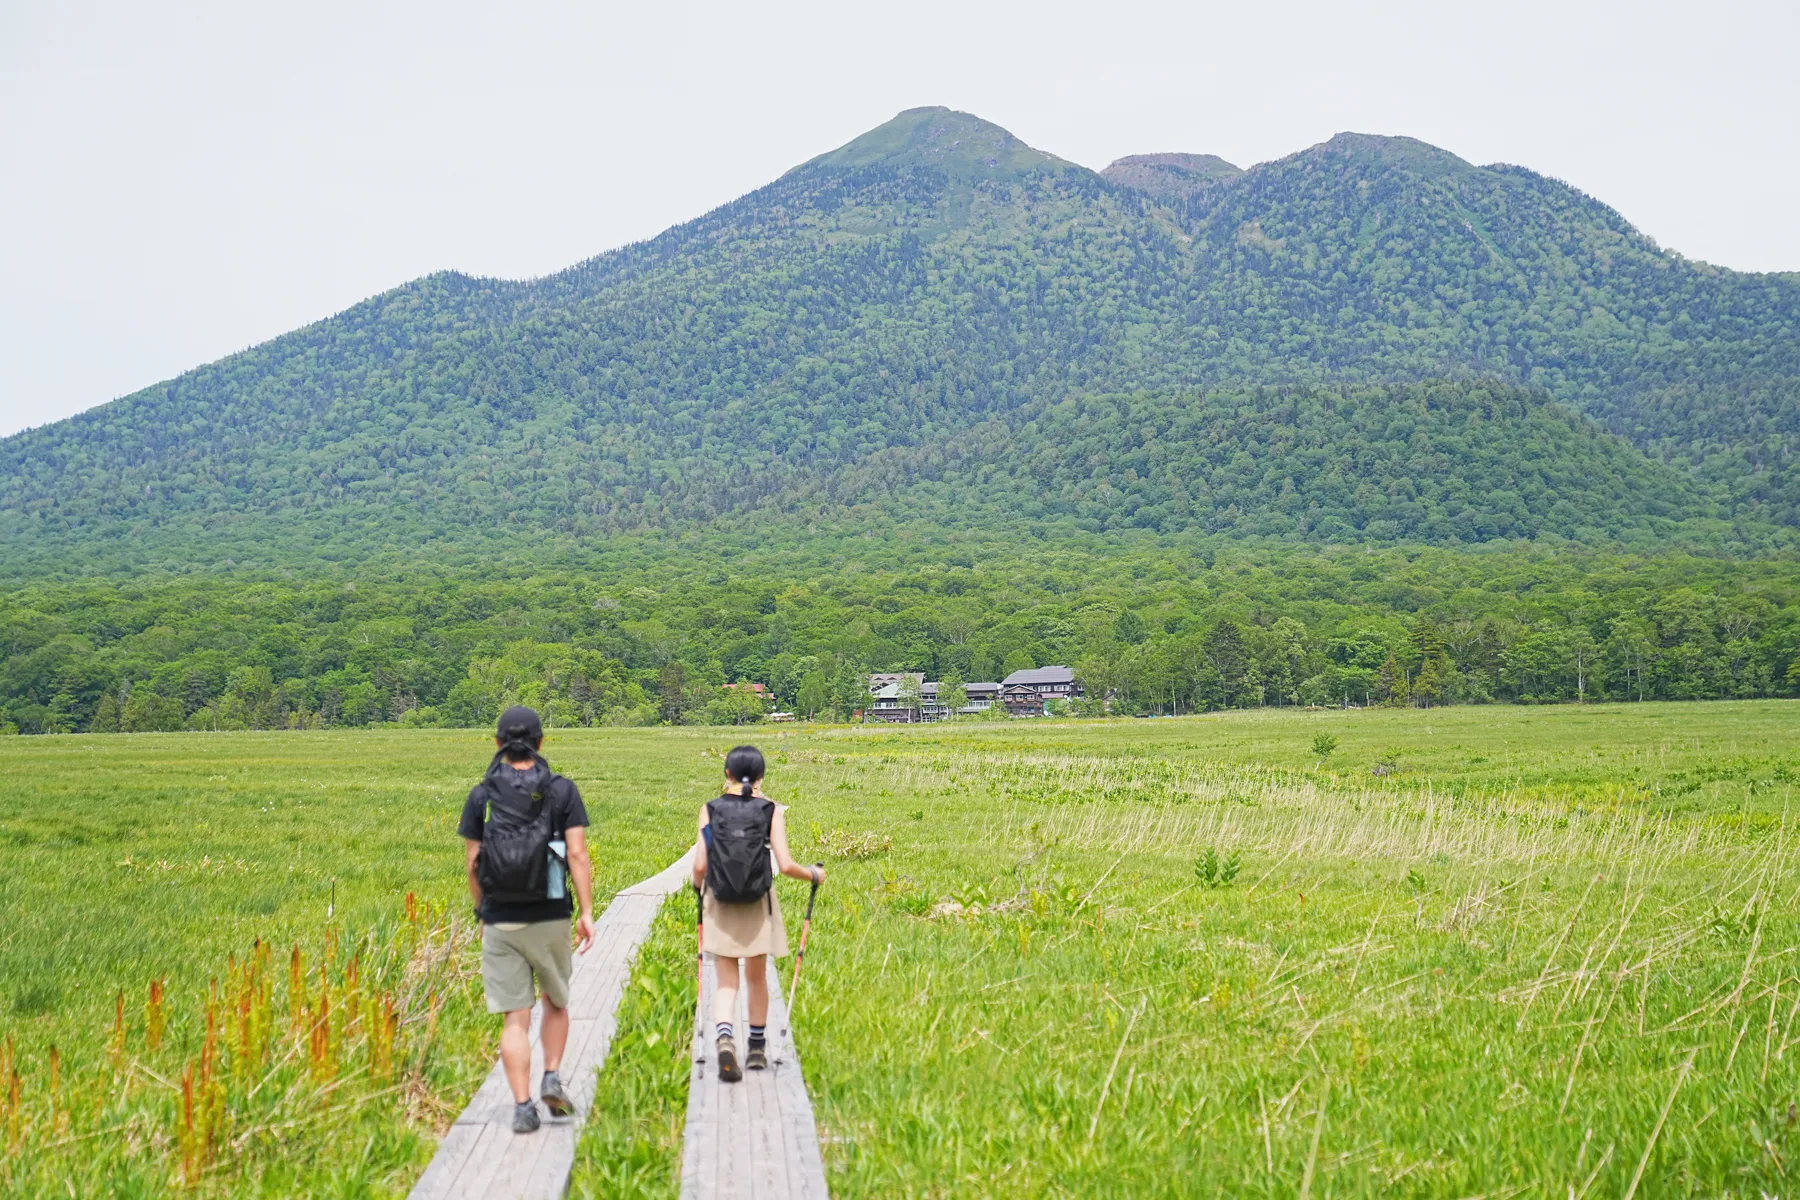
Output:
(936, 281)
(1163, 625)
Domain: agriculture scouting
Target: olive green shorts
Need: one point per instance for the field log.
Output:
(510, 957)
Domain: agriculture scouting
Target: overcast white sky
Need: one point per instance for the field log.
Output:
(181, 180)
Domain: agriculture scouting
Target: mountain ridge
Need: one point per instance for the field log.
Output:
(931, 275)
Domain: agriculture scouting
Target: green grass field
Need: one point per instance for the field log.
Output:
(1469, 951)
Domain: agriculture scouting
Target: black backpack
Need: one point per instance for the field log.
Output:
(513, 865)
(737, 855)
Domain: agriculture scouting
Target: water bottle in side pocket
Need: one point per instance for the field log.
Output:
(559, 854)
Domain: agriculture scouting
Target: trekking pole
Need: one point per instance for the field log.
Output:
(805, 928)
(699, 952)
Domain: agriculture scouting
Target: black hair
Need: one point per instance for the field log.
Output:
(745, 765)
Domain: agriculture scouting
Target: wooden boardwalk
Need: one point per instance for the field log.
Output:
(481, 1157)
(752, 1140)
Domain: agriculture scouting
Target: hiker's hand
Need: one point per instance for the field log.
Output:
(818, 875)
(584, 930)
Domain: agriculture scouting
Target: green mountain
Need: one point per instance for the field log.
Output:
(1368, 340)
(1170, 176)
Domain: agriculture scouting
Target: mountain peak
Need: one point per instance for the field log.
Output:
(1170, 176)
(1398, 153)
(959, 143)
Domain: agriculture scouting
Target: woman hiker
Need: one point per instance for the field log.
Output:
(737, 833)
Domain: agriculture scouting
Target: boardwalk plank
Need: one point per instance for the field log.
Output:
(452, 1153)
(752, 1140)
(806, 1169)
(480, 1157)
(698, 1147)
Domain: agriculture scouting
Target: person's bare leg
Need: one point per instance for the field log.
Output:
(553, 1035)
(725, 1012)
(515, 1052)
(758, 971)
(725, 995)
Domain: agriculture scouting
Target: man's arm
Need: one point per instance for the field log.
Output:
(582, 871)
(474, 848)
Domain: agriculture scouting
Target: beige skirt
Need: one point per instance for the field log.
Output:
(744, 930)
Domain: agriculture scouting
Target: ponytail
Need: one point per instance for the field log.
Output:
(744, 766)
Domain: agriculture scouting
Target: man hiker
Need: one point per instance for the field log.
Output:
(525, 829)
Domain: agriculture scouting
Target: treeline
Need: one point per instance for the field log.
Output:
(1158, 626)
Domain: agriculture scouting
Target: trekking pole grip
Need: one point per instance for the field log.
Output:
(814, 894)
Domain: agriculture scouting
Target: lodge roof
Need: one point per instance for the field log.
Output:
(1039, 675)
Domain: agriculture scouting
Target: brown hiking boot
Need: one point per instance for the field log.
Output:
(757, 1059)
(728, 1063)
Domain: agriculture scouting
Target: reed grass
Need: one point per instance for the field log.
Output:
(1466, 952)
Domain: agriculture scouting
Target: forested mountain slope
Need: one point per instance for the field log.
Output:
(1441, 462)
(937, 281)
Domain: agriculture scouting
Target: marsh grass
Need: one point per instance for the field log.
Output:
(141, 874)
(282, 1058)
(1544, 951)
(631, 1145)
(1539, 980)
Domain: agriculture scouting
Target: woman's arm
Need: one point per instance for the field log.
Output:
(784, 860)
(700, 849)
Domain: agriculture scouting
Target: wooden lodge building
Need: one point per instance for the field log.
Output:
(1024, 693)
(1029, 693)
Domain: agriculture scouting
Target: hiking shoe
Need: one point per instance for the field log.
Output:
(757, 1059)
(553, 1096)
(728, 1064)
(525, 1117)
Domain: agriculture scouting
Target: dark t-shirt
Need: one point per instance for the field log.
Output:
(509, 804)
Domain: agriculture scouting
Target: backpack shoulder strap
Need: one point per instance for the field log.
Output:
(490, 797)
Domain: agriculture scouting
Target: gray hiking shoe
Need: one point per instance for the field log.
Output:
(553, 1096)
(525, 1117)
(729, 1072)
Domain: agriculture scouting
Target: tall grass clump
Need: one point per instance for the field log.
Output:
(238, 1084)
(631, 1146)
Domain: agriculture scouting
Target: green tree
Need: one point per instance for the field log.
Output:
(849, 690)
(1432, 682)
(1391, 687)
(147, 712)
(814, 693)
(106, 715)
(1230, 658)
(672, 690)
(1018, 660)
(952, 695)
(733, 706)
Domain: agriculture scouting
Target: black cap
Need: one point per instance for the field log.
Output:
(521, 724)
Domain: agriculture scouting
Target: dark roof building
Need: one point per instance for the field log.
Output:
(1028, 693)
(1039, 677)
